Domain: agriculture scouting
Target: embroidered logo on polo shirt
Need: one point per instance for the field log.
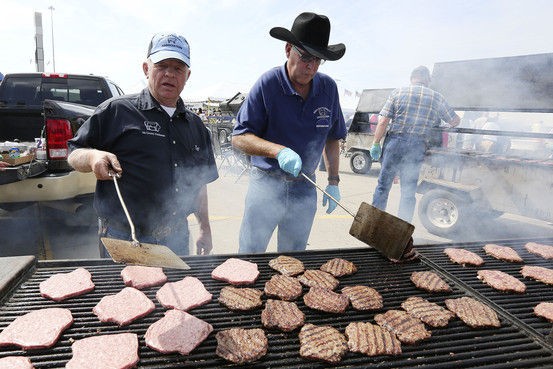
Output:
(322, 116)
(152, 128)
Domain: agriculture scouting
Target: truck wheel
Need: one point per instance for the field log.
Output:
(443, 213)
(360, 162)
(223, 136)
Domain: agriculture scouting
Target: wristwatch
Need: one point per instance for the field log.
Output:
(334, 178)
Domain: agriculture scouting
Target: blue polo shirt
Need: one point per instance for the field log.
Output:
(275, 112)
(165, 160)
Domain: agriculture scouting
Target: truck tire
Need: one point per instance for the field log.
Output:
(360, 162)
(443, 213)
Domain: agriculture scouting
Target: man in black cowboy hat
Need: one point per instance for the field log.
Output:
(291, 117)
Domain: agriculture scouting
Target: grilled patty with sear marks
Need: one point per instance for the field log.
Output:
(429, 281)
(462, 256)
(322, 343)
(319, 278)
(240, 298)
(363, 297)
(283, 315)
(430, 313)
(407, 328)
(541, 274)
(287, 265)
(501, 281)
(504, 253)
(240, 345)
(339, 267)
(319, 298)
(474, 313)
(371, 339)
(283, 287)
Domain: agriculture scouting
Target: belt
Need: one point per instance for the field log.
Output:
(285, 176)
(158, 232)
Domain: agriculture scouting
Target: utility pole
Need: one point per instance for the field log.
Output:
(52, 24)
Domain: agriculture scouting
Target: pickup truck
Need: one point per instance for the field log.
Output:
(49, 107)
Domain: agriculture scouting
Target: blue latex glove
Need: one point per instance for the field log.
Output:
(333, 191)
(376, 151)
(289, 161)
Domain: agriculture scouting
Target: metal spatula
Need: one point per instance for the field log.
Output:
(388, 234)
(136, 253)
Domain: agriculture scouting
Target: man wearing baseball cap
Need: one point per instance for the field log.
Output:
(291, 117)
(161, 151)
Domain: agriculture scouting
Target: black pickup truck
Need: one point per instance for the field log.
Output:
(50, 107)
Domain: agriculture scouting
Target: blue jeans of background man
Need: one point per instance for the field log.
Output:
(401, 154)
(273, 201)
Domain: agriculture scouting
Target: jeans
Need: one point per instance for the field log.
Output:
(403, 154)
(177, 239)
(273, 201)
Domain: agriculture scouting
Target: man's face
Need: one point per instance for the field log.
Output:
(299, 71)
(166, 80)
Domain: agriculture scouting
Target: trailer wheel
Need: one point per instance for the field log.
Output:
(360, 162)
(443, 213)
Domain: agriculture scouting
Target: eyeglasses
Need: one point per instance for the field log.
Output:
(306, 57)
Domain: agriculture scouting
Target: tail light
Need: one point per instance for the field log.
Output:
(58, 131)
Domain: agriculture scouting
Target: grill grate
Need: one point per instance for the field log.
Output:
(518, 305)
(456, 345)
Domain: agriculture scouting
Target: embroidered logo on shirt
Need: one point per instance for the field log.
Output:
(152, 128)
(196, 147)
(322, 116)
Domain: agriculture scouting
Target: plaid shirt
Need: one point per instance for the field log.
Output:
(416, 109)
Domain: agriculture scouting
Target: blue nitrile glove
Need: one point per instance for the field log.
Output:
(333, 191)
(289, 161)
(376, 151)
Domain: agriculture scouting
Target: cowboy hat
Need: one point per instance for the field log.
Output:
(310, 32)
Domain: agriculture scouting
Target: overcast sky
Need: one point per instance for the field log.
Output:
(231, 46)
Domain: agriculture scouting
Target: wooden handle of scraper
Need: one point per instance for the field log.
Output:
(326, 193)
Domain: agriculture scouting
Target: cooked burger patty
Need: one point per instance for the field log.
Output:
(429, 281)
(287, 265)
(241, 345)
(283, 287)
(462, 256)
(371, 339)
(430, 313)
(339, 267)
(541, 274)
(319, 278)
(501, 281)
(544, 310)
(505, 253)
(363, 297)
(407, 328)
(283, 315)
(319, 298)
(240, 298)
(322, 343)
(474, 313)
(545, 251)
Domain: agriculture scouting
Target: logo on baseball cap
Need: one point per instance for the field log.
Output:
(169, 46)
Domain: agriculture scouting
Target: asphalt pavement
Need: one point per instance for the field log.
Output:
(31, 231)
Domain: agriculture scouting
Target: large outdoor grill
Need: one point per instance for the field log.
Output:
(520, 342)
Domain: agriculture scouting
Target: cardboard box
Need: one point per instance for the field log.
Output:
(17, 161)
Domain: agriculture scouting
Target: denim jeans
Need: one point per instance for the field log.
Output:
(177, 239)
(401, 154)
(271, 202)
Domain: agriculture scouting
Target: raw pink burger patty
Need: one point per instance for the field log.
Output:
(61, 286)
(141, 277)
(37, 329)
(236, 271)
(124, 307)
(113, 351)
(185, 294)
(16, 362)
(177, 331)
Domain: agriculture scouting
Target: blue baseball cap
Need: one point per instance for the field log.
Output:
(169, 46)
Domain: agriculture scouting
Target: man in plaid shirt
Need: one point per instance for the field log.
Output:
(413, 111)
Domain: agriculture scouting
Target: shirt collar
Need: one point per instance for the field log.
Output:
(147, 102)
(287, 87)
